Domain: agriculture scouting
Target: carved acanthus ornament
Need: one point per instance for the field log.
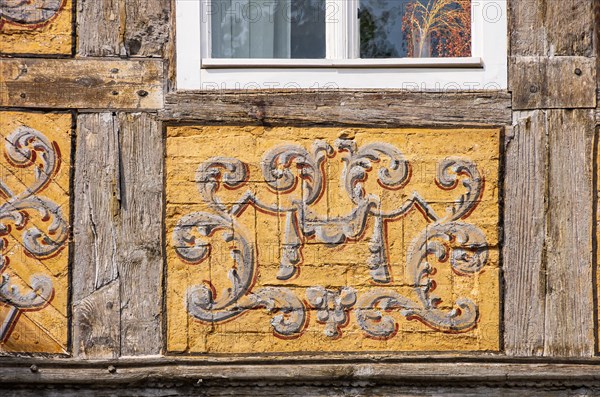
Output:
(35, 221)
(447, 238)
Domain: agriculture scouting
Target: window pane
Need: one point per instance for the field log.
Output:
(268, 29)
(415, 28)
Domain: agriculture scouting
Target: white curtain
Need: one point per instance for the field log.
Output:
(251, 28)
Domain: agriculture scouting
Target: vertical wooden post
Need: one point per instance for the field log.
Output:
(117, 280)
(548, 253)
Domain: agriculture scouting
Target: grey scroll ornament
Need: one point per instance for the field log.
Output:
(284, 168)
(29, 149)
(29, 12)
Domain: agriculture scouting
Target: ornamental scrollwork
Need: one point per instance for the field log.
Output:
(291, 167)
(34, 220)
(29, 12)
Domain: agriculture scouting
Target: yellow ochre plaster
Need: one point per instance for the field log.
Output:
(332, 240)
(34, 212)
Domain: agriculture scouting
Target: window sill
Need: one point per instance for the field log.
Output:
(437, 63)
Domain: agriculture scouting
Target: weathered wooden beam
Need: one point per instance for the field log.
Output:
(118, 235)
(81, 83)
(553, 83)
(147, 27)
(132, 28)
(341, 107)
(448, 372)
(337, 389)
(551, 28)
(570, 324)
(548, 250)
(99, 28)
(140, 243)
(525, 184)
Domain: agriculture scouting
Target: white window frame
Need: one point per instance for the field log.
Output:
(486, 69)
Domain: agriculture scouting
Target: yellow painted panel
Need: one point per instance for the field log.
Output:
(34, 217)
(332, 240)
(36, 27)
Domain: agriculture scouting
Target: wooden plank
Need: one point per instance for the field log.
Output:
(117, 227)
(99, 31)
(447, 372)
(147, 27)
(95, 270)
(313, 391)
(569, 295)
(331, 390)
(96, 195)
(123, 28)
(365, 108)
(170, 54)
(551, 28)
(569, 26)
(526, 22)
(81, 83)
(539, 83)
(525, 184)
(140, 230)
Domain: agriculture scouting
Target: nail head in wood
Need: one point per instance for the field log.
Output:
(34, 368)
(112, 369)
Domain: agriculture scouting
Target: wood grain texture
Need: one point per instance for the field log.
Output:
(548, 259)
(95, 270)
(539, 83)
(229, 375)
(371, 108)
(96, 324)
(140, 242)
(337, 390)
(147, 27)
(97, 184)
(98, 28)
(81, 83)
(569, 26)
(132, 28)
(525, 183)
(570, 285)
(117, 227)
(551, 28)
(526, 24)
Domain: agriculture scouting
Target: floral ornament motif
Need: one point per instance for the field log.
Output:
(332, 307)
(289, 168)
(191, 238)
(29, 12)
(29, 148)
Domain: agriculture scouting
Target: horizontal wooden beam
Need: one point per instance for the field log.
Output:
(341, 107)
(81, 83)
(441, 372)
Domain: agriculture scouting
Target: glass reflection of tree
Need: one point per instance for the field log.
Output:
(374, 42)
(308, 29)
(438, 28)
(381, 28)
